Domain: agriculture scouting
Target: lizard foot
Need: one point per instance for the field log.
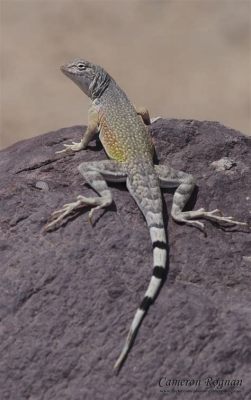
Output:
(217, 216)
(214, 215)
(58, 215)
(75, 146)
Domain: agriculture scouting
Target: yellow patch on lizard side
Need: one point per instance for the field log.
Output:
(113, 150)
(110, 143)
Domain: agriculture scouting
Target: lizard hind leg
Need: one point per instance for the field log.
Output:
(96, 174)
(185, 183)
(144, 113)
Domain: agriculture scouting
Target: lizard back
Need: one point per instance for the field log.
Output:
(122, 131)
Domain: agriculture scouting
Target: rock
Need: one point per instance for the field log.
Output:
(67, 297)
(223, 164)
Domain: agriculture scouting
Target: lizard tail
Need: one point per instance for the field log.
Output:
(158, 238)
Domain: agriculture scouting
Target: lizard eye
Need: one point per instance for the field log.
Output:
(81, 66)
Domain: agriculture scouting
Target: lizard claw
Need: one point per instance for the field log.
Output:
(154, 119)
(90, 219)
(90, 215)
(75, 146)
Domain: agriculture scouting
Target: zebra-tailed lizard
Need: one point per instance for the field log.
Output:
(126, 140)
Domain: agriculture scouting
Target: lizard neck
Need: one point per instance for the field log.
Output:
(99, 84)
(112, 94)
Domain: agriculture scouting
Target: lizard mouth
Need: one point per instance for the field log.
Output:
(68, 70)
(64, 69)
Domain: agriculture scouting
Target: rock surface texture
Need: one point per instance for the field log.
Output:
(67, 297)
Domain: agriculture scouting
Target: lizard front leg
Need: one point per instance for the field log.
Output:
(93, 120)
(185, 183)
(96, 174)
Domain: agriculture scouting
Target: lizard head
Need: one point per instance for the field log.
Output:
(91, 78)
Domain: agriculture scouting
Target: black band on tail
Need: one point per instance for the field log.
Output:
(147, 301)
(159, 272)
(159, 244)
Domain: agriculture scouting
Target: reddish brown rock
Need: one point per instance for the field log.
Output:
(67, 297)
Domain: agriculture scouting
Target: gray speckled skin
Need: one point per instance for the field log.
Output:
(127, 143)
(122, 131)
(126, 139)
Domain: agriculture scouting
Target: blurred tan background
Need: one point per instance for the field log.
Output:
(180, 58)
